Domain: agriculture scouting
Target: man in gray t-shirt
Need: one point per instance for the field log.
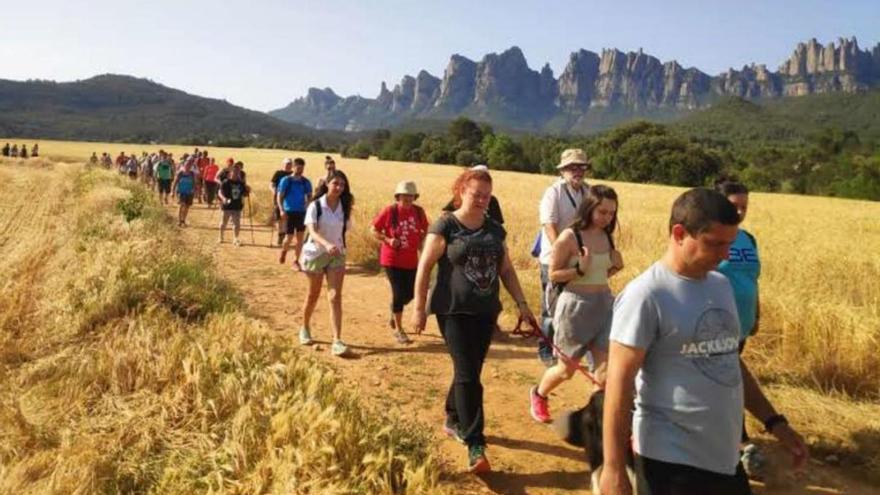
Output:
(674, 337)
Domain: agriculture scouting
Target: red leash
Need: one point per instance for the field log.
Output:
(536, 332)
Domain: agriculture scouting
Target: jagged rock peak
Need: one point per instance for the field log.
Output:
(457, 87)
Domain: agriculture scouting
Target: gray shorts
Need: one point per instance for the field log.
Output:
(582, 321)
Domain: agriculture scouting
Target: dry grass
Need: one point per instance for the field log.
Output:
(127, 367)
(820, 289)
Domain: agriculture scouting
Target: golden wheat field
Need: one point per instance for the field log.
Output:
(820, 282)
(73, 271)
(119, 372)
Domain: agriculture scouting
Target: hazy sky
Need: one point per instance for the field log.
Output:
(263, 54)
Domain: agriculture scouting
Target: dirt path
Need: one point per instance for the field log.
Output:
(527, 458)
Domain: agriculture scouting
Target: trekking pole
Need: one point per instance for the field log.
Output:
(536, 332)
(251, 220)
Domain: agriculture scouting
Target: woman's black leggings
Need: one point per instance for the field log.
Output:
(467, 338)
(403, 283)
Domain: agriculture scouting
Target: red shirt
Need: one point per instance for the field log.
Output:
(210, 173)
(410, 229)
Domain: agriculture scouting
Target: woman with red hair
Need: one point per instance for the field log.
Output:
(473, 261)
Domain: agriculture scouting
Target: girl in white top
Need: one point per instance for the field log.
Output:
(328, 218)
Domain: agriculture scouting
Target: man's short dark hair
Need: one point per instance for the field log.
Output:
(299, 161)
(698, 208)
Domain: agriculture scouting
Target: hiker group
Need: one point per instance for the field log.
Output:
(15, 151)
(662, 356)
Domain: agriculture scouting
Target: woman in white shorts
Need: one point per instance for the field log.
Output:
(582, 259)
(328, 218)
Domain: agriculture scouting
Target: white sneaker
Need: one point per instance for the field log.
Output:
(305, 337)
(236, 242)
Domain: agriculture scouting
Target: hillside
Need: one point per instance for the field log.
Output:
(790, 121)
(123, 108)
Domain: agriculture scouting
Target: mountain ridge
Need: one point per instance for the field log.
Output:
(612, 85)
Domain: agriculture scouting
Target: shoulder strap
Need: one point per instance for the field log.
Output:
(318, 209)
(580, 240)
(570, 198)
(751, 238)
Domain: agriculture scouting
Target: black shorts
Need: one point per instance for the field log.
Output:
(666, 478)
(165, 186)
(185, 199)
(295, 222)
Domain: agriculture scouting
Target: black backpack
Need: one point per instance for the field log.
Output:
(318, 211)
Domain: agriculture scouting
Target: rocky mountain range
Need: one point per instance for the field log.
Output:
(594, 91)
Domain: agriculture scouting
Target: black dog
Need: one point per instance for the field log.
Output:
(583, 428)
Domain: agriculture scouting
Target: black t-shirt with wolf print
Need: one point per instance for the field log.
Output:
(467, 280)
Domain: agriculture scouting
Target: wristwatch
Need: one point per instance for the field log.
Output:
(774, 420)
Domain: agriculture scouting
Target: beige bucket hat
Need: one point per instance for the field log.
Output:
(406, 187)
(573, 156)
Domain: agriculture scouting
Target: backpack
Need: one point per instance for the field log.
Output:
(318, 210)
(554, 289)
(394, 215)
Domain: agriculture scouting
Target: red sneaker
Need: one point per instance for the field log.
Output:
(539, 407)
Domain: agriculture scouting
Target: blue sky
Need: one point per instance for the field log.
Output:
(263, 54)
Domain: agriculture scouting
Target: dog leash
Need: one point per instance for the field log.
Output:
(534, 331)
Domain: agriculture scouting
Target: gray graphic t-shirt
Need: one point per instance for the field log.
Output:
(689, 395)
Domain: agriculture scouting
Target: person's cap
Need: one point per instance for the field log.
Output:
(288, 161)
(573, 156)
(481, 166)
(406, 187)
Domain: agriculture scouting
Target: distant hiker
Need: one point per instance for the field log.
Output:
(557, 210)
(328, 218)
(164, 176)
(494, 210)
(676, 385)
(93, 160)
(35, 151)
(131, 167)
(294, 193)
(582, 259)
(106, 160)
(14, 151)
(184, 185)
(401, 227)
(224, 174)
(329, 168)
(202, 163)
(742, 268)
(120, 162)
(6, 150)
(232, 193)
(24, 152)
(211, 183)
(473, 260)
(285, 170)
(148, 170)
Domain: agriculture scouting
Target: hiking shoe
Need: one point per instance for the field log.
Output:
(339, 348)
(753, 461)
(401, 337)
(236, 242)
(305, 336)
(539, 407)
(477, 460)
(452, 431)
